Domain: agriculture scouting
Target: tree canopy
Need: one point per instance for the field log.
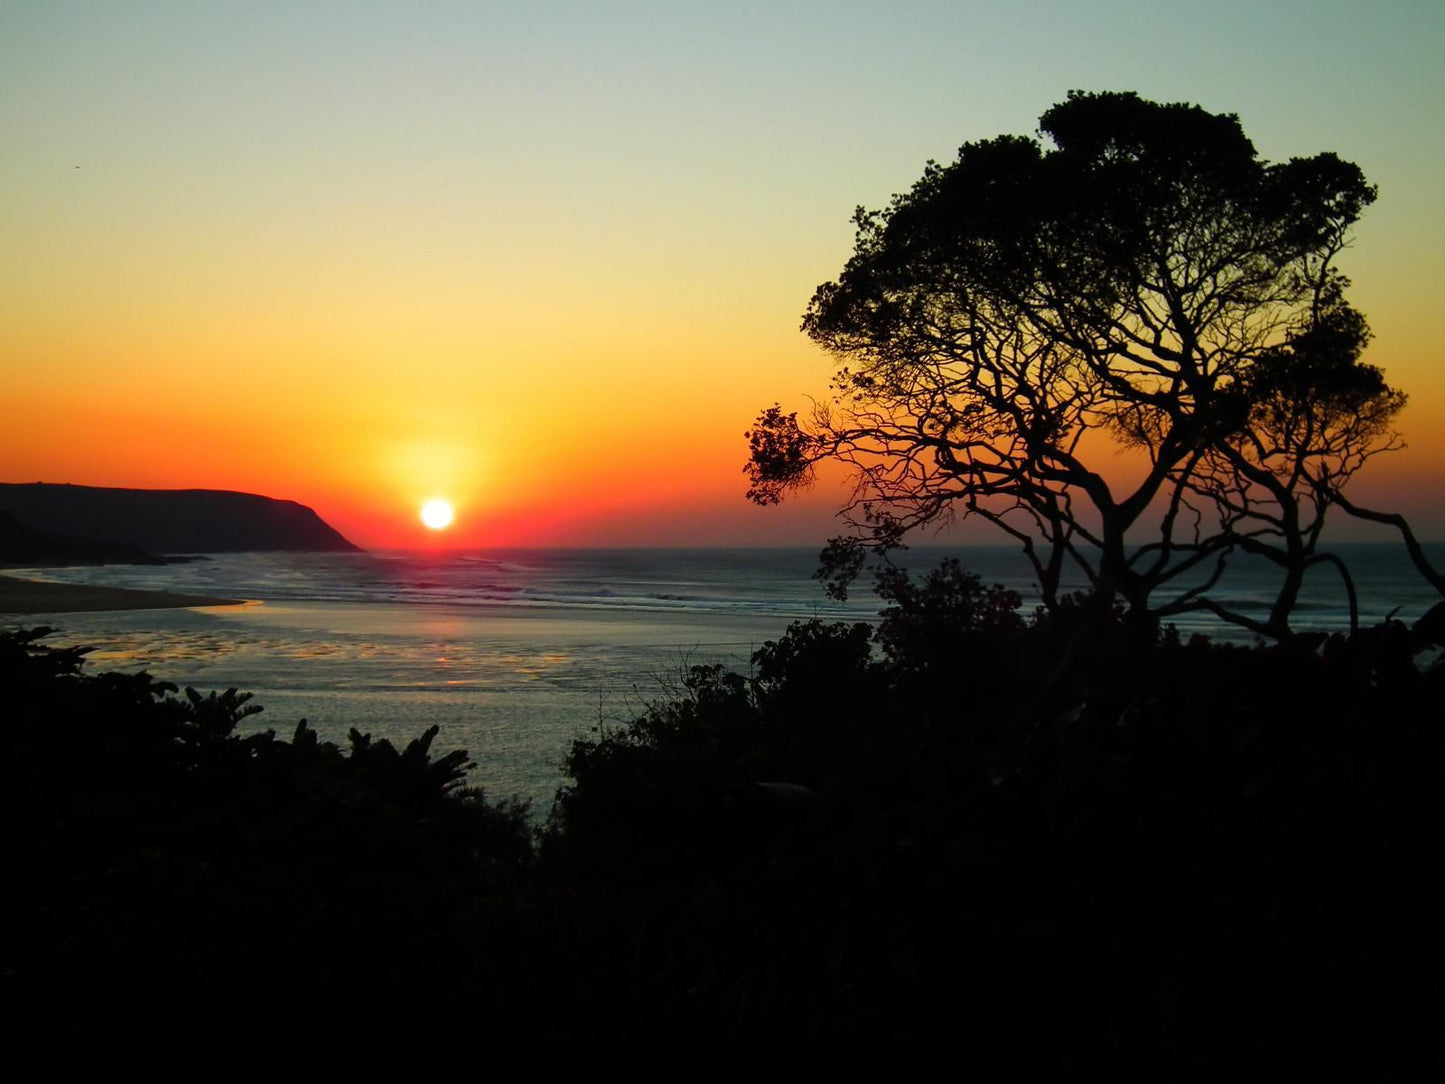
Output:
(1138, 278)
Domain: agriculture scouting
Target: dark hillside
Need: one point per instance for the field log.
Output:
(19, 545)
(169, 520)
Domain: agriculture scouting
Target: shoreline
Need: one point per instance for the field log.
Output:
(26, 597)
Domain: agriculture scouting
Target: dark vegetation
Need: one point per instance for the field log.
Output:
(944, 823)
(166, 876)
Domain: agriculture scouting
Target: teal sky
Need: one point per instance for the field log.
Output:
(630, 202)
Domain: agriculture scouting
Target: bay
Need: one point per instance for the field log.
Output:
(515, 653)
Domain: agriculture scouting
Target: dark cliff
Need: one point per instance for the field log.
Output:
(169, 520)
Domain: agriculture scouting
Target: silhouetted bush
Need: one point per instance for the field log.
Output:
(990, 825)
(955, 821)
(166, 873)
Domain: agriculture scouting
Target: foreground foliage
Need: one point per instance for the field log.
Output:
(166, 873)
(955, 820)
(937, 827)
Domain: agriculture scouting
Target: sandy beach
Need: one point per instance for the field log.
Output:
(32, 597)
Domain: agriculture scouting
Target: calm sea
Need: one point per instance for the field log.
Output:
(516, 653)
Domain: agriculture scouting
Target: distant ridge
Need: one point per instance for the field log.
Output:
(169, 520)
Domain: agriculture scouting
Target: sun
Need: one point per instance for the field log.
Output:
(437, 514)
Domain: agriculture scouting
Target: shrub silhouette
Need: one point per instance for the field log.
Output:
(166, 869)
(1163, 837)
(942, 823)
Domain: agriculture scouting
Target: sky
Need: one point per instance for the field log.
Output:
(549, 260)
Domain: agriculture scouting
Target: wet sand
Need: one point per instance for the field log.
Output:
(32, 597)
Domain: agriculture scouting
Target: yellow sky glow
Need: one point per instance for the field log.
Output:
(552, 267)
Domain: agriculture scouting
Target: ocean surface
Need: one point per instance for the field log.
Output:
(516, 653)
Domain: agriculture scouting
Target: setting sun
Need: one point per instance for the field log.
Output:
(437, 514)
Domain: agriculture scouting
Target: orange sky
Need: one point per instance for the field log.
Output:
(550, 265)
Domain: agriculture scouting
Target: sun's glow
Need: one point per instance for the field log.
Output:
(437, 514)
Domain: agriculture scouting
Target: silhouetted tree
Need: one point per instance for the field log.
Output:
(1145, 280)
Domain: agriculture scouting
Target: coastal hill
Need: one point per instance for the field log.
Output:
(19, 545)
(165, 520)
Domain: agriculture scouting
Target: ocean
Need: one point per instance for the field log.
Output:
(516, 653)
